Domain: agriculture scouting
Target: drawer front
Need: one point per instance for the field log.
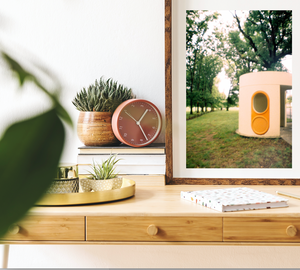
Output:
(48, 228)
(154, 229)
(262, 229)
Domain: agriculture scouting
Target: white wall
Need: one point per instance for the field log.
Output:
(80, 41)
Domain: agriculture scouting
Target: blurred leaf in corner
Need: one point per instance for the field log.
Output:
(29, 154)
(30, 150)
(21, 73)
(24, 75)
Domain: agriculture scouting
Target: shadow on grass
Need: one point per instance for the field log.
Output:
(195, 115)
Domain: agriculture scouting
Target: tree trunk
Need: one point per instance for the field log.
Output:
(192, 81)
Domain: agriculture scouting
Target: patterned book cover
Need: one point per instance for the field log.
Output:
(234, 199)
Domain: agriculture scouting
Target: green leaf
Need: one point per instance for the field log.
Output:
(24, 75)
(60, 110)
(21, 73)
(30, 151)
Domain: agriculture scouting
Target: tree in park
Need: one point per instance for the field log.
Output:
(267, 38)
(206, 72)
(201, 64)
(259, 44)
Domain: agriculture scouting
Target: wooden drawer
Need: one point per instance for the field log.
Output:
(262, 229)
(154, 229)
(48, 228)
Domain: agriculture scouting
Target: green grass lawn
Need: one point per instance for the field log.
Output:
(211, 142)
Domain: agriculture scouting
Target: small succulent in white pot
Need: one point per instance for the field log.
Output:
(102, 176)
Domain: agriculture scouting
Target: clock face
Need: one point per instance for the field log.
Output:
(136, 122)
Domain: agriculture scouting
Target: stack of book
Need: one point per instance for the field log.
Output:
(148, 160)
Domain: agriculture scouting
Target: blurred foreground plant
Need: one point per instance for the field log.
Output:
(30, 150)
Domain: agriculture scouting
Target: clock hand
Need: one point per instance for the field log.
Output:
(143, 131)
(131, 116)
(138, 122)
(143, 116)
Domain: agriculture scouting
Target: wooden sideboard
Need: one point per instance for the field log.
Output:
(157, 215)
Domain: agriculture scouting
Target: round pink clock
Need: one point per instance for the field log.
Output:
(136, 122)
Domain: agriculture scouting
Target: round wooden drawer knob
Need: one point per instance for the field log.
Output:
(291, 230)
(14, 229)
(152, 230)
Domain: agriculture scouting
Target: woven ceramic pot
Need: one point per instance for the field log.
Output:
(94, 129)
(66, 180)
(88, 185)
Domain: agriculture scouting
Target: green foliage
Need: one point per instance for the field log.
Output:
(200, 91)
(217, 97)
(102, 96)
(105, 170)
(262, 41)
(232, 98)
(202, 65)
(259, 44)
(30, 151)
(268, 35)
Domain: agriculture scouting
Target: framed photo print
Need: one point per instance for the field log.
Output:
(231, 112)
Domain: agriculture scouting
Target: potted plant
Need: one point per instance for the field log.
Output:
(66, 180)
(96, 105)
(102, 176)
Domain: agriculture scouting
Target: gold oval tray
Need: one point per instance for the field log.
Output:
(127, 190)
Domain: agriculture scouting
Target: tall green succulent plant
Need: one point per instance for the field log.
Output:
(102, 96)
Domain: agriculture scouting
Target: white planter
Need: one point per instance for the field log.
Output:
(88, 185)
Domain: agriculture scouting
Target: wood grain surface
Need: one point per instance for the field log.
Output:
(232, 181)
(48, 228)
(168, 229)
(168, 90)
(178, 221)
(165, 201)
(260, 229)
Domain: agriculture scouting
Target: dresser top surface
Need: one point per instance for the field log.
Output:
(166, 201)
